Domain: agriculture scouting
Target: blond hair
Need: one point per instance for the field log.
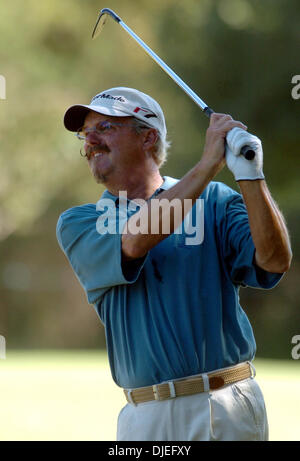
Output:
(162, 145)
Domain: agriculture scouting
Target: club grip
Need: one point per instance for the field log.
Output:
(246, 151)
(208, 111)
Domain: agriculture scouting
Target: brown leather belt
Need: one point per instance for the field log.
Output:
(189, 386)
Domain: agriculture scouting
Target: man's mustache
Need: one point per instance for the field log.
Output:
(96, 148)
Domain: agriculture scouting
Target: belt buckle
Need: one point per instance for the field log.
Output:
(216, 382)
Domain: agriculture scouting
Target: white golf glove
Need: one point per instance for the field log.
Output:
(242, 168)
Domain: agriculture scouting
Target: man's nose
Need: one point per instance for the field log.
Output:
(92, 137)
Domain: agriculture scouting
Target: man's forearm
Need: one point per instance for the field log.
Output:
(268, 229)
(151, 225)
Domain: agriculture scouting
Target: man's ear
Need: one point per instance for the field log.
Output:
(150, 138)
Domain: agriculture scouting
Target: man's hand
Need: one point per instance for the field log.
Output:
(242, 169)
(214, 148)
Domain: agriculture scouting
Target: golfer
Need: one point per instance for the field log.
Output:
(179, 343)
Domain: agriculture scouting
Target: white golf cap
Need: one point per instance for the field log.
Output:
(119, 102)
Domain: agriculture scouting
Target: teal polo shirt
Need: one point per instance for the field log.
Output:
(175, 312)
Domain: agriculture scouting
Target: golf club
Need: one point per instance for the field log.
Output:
(246, 151)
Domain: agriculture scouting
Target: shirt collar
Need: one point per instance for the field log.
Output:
(167, 184)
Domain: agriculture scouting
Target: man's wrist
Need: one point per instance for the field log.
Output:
(251, 187)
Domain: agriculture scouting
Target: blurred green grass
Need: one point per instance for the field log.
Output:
(70, 395)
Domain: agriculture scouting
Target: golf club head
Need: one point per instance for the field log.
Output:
(104, 13)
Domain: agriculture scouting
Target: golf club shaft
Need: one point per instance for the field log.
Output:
(168, 70)
(246, 151)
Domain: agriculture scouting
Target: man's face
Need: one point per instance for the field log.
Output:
(111, 153)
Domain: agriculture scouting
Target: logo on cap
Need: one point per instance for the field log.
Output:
(147, 113)
(108, 96)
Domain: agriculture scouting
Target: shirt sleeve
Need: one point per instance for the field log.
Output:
(96, 258)
(237, 246)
